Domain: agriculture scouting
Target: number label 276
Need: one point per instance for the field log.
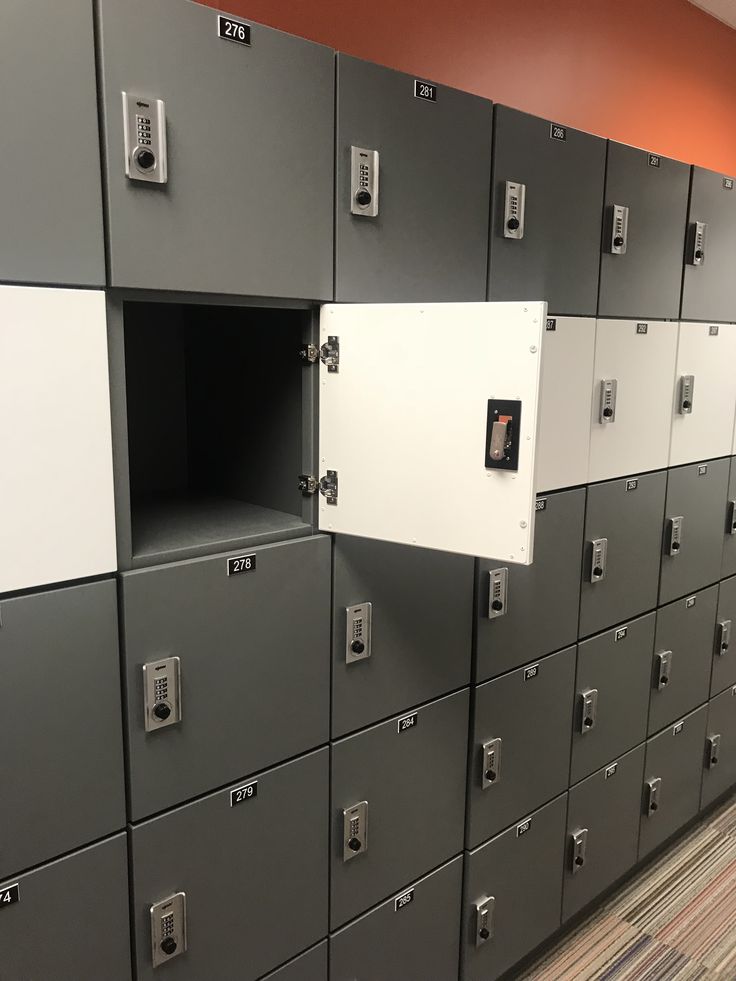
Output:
(233, 30)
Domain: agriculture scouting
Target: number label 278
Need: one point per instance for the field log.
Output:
(242, 563)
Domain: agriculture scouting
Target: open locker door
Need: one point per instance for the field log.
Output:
(428, 424)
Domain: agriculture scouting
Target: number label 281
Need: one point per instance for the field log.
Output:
(425, 90)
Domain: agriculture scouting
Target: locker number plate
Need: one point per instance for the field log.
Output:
(243, 563)
(9, 895)
(425, 90)
(243, 794)
(233, 30)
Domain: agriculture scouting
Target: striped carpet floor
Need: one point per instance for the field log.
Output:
(676, 921)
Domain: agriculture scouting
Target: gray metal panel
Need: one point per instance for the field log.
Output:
(677, 759)
(531, 712)
(255, 875)
(699, 498)
(524, 874)
(421, 635)
(685, 628)
(254, 652)
(645, 281)
(718, 778)
(309, 966)
(419, 939)
(557, 259)
(543, 598)
(724, 665)
(71, 923)
(608, 804)
(61, 765)
(618, 665)
(429, 241)
(631, 520)
(50, 197)
(414, 782)
(709, 291)
(728, 562)
(248, 204)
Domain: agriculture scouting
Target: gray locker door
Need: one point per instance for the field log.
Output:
(309, 966)
(602, 830)
(720, 754)
(675, 759)
(416, 635)
(61, 765)
(645, 280)
(429, 240)
(529, 713)
(628, 514)
(728, 563)
(51, 199)
(254, 874)
(70, 921)
(724, 645)
(542, 599)
(709, 289)
(695, 493)
(520, 871)
(254, 666)
(414, 936)
(563, 171)
(411, 772)
(247, 208)
(611, 695)
(683, 655)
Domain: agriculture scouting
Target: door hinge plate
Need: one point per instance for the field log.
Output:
(327, 485)
(328, 354)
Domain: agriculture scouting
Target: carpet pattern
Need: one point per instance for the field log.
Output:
(676, 921)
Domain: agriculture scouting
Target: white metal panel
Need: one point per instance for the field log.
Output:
(708, 352)
(640, 356)
(403, 423)
(56, 492)
(564, 416)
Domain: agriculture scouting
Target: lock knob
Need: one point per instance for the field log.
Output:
(618, 241)
(579, 860)
(354, 844)
(608, 412)
(168, 946)
(598, 571)
(484, 933)
(162, 711)
(675, 546)
(497, 606)
(490, 775)
(363, 198)
(512, 224)
(145, 159)
(699, 254)
(588, 722)
(357, 647)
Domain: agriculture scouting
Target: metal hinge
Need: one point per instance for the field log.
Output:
(328, 354)
(327, 485)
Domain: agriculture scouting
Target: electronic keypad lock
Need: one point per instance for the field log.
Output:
(598, 558)
(513, 211)
(674, 535)
(686, 394)
(589, 709)
(162, 693)
(491, 772)
(653, 791)
(363, 182)
(484, 913)
(355, 830)
(358, 632)
(498, 585)
(619, 230)
(168, 928)
(607, 410)
(713, 750)
(579, 842)
(696, 243)
(723, 637)
(663, 669)
(145, 139)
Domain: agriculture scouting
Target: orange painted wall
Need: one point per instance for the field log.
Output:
(655, 73)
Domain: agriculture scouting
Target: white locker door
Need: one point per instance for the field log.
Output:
(636, 360)
(404, 424)
(705, 383)
(564, 416)
(56, 492)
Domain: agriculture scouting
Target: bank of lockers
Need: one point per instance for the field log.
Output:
(68, 920)
(728, 563)
(223, 867)
(643, 234)
(602, 830)
(309, 966)
(683, 655)
(709, 290)
(61, 766)
(719, 773)
(512, 893)
(57, 460)
(507, 636)
(520, 748)
(248, 155)
(704, 393)
(546, 207)
(611, 695)
(631, 411)
(398, 802)
(414, 934)
(412, 190)
(724, 642)
(50, 234)
(621, 556)
(692, 539)
(218, 655)
(673, 772)
(401, 628)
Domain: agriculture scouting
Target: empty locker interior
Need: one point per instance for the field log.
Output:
(367, 485)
